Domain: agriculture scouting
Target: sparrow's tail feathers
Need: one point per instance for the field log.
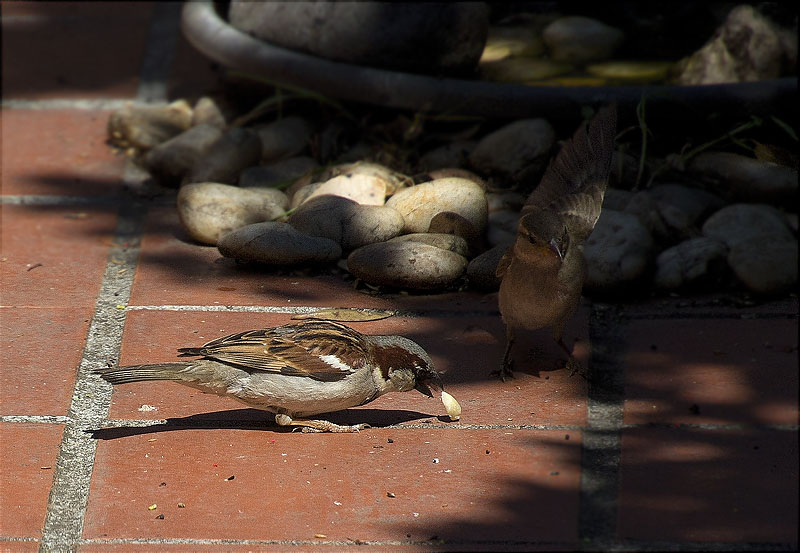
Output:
(139, 373)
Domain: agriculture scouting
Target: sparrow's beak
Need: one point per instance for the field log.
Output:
(556, 249)
(430, 384)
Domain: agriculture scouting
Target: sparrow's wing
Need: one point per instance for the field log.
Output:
(505, 261)
(580, 211)
(575, 182)
(318, 349)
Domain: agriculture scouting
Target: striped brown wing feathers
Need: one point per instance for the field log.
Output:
(319, 349)
(580, 211)
(575, 182)
(505, 262)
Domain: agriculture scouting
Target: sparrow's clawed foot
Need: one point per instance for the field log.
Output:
(575, 367)
(506, 369)
(317, 425)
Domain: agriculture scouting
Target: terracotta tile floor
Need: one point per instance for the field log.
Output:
(687, 439)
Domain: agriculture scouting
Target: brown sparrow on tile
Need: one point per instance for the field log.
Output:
(297, 370)
(543, 271)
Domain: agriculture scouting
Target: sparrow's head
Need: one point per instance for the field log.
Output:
(405, 364)
(542, 233)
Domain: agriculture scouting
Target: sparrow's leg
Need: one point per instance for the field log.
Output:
(317, 425)
(573, 364)
(505, 369)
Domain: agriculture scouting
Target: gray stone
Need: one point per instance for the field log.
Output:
(452, 154)
(208, 210)
(502, 227)
(208, 112)
(739, 222)
(683, 209)
(392, 179)
(145, 127)
(449, 242)
(234, 151)
(643, 205)
(346, 222)
(514, 148)
(362, 189)
(482, 271)
(447, 222)
(672, 212)
(280, 174)
(454, 172)
(419, 204)
(170, 161)
(277, 244)
(746, 179)
(283, 138)
(696, 261)
(618, 252)
(766, 265)
(409, 265)
(617, 199)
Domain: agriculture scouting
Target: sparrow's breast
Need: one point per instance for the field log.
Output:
(301, 396)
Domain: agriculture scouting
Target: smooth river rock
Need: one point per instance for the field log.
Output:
(277, 244)
(346, 222)
(419, 204)
(208, 210)
(698, 261)
(514, 148)
(618, 252)
(170, 161)
(234, 151)
(411, 265)
(449, 242)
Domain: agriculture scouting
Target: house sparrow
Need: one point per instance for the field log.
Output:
(297, 371)
(543, 271)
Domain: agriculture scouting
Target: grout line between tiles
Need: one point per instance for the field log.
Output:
(41, 199)
(89, 104)
(621, 545)
(318, 542)
(602, 437)
(305, 309)
(91, 397)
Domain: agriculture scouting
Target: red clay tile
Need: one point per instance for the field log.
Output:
(703, 485)
(293, 486)
(73, 49)
(41, 351)
(58, 152)
(54, 256)
(28, 455)
(712, 371)
(21, 546)
(466, 350)
(315, 545)
(721, 305)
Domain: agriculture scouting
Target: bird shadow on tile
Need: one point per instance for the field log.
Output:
(253, 419)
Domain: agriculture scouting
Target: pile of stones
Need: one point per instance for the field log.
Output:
(256, 194)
